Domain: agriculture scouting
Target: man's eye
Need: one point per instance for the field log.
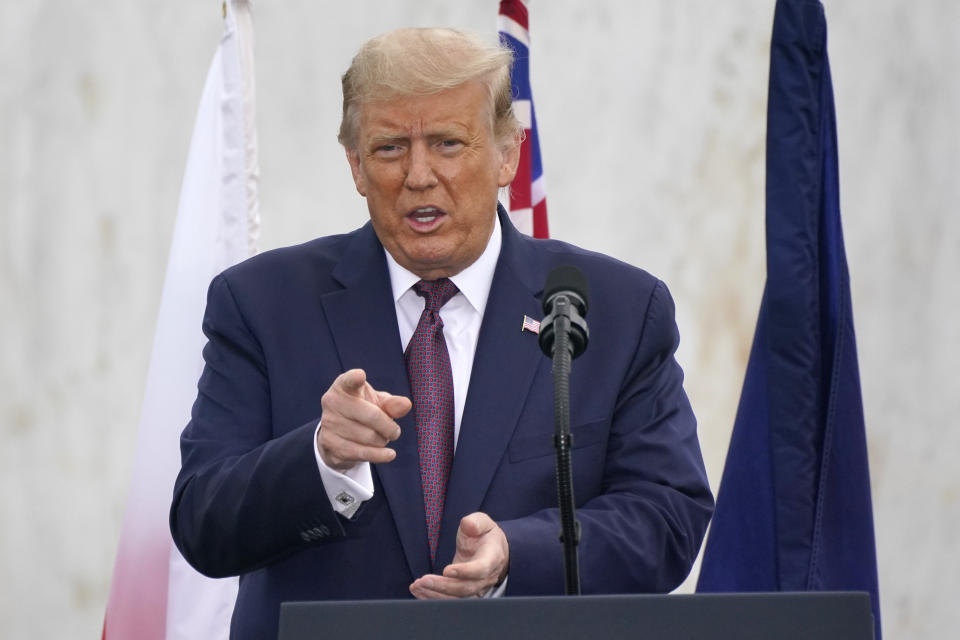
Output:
(450, 144)
(388, 150)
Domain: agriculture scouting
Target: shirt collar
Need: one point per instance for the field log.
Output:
(473, 282)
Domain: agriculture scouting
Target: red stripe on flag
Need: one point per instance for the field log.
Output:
(515, 10)
(540, 220)
(520, 187)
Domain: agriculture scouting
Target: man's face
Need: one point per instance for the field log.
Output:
(429, 167)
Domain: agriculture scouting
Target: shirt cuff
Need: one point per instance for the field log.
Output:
(498, 591)
(346, 490)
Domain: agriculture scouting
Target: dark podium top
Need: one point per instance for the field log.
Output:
(740, 616)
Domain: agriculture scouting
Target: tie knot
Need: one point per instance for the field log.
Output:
(435, 293)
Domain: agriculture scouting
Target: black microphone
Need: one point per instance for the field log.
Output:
(563, 337)
(565, 296)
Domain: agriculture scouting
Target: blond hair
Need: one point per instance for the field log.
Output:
(415, 62)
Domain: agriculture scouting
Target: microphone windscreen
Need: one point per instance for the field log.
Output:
(566, 278)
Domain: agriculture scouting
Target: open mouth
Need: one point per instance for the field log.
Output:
(425, 218)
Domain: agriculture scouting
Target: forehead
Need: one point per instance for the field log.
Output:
(467, 106)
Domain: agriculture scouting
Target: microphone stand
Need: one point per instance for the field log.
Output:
(563, 440)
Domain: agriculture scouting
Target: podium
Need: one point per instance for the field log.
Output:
(722, 616)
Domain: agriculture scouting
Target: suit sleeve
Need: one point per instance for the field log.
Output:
(643, 531)
(245, 496)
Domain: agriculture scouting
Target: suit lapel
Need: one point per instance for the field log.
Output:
(363, 322)
(503, 370)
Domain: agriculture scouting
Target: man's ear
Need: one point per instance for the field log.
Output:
(509, 160)
(353, 157)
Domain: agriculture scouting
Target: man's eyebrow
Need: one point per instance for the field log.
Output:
(450, 129)
(381, 138)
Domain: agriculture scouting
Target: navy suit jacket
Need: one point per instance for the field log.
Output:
(283, 325)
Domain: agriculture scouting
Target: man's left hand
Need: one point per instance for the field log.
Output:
(480, 563)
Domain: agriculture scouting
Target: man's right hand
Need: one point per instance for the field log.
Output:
(358, 421)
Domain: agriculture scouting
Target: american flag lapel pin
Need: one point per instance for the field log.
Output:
(531, 325)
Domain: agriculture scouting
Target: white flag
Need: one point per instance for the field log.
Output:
(155, 595)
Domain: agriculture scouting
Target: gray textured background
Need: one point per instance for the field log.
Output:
(652, 129)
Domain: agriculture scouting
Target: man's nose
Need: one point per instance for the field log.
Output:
(420, 173)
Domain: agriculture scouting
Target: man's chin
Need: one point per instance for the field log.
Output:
(433, 264)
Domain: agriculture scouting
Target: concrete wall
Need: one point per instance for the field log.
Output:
(652, 127)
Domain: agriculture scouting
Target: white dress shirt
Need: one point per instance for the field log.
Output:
(462, 316)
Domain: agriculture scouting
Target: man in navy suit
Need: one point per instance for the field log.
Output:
(302, 471)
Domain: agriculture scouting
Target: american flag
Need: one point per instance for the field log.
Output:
(531, 325)
(528, 195)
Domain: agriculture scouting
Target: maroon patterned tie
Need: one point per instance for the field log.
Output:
(431, 384)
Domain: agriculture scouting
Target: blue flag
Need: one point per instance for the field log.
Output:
(793, 510)
(528, 191)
